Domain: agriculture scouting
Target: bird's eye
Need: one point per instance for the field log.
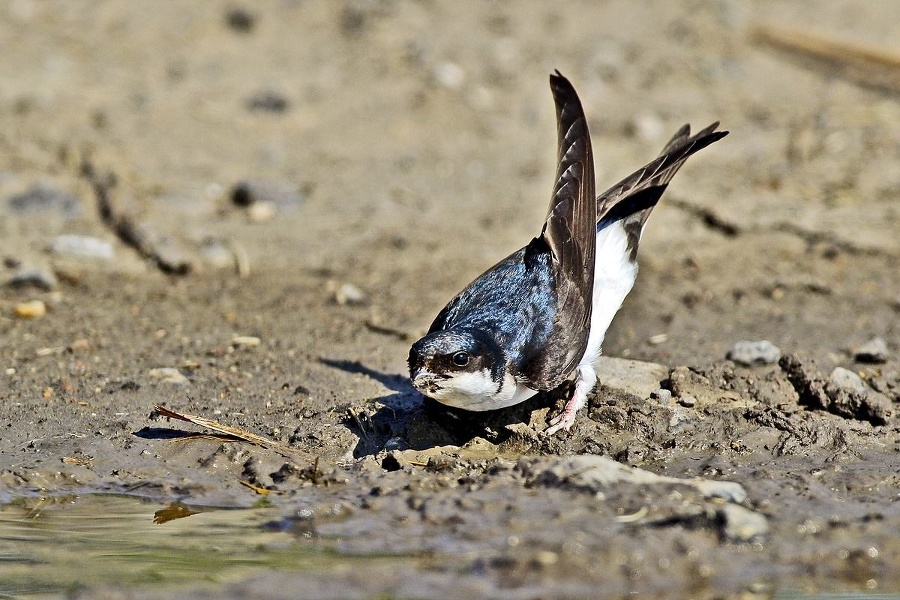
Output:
(461, 359)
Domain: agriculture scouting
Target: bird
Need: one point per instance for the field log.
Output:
(538, 316)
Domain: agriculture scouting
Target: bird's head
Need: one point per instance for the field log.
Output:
(462, 368)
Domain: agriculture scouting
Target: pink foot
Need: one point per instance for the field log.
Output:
(565, 419)
(584, 383)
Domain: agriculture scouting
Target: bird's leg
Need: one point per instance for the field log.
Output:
(584, 383)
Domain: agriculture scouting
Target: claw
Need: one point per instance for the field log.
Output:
(584, 383)
(564, 420)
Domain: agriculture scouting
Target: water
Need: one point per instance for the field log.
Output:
(51, 546)
(834, 596)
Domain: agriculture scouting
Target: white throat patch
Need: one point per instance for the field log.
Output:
(478, 392)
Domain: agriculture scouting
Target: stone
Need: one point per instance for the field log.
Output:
(260, 212)
(631, 376)
(847, 380)
(43, 198)
(687, 401)
(593, 473)
(348, 293)
(279, 194)
(82, 246)
(742, 524)
(32, 309)
(268, 101)
(245, 341)
(751, 354)
(662, 394)
(169, 375)
(240, 20)
(39, 278)
(873, 351)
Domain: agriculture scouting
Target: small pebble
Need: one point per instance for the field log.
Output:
(545, 558)
(261, 212)
(245, 341)
(847, 380)
(449, 75)
(749, 354)
(663, 395)
(742, 524)
(240, 20)
(687, 401)
(873, 351)
(649, 127)
(282, 194)
(79, 345)
(38, 278)
(82, 246)
(268, 101)
(45, 198)
(659, 338)
(348, 293)
(169, 375)
(353, 20)
(31, 309)
(396, 443)
(217, 254)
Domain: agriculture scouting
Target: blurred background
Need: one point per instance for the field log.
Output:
(406, 146)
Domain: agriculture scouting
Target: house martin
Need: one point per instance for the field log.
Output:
(538, 316)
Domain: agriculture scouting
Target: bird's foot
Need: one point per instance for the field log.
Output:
(584, 383)
(565, 419)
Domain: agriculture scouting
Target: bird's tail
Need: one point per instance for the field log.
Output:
(631, 200)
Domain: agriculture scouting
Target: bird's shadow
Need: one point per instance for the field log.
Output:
(405, 419)
(163, 433)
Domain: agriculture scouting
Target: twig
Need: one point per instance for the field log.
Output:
(373, 325)
(711, 219)
(259, 490)
(241, 259)
(148, 243)
(362, 429)
(282, 449)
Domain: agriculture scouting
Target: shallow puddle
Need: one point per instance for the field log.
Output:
(49, 546)
(54, 546)
(834, 596)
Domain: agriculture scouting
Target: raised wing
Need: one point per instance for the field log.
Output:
(570, 235)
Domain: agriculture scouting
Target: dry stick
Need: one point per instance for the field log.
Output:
(282, 449)
(866, 66)
(259, 490)
(150, 245)
(708, 216)
(377, 327)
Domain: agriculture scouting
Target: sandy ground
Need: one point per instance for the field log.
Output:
(400, 149)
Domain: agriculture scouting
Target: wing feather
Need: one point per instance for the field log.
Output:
(570, 234)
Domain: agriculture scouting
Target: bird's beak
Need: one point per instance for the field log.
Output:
(421, 378)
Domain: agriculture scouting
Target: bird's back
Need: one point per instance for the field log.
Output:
(515, 300)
